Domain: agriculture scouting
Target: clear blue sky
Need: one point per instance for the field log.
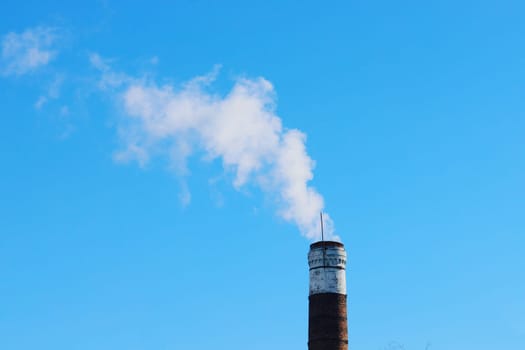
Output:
(415, 117)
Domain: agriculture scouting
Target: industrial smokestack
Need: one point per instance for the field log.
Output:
(327, 324)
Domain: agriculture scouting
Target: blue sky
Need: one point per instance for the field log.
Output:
(120, 231)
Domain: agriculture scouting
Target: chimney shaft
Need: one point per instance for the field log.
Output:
(327, 324)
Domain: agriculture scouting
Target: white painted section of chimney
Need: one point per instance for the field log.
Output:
(327, 270)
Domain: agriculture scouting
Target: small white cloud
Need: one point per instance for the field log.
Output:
(98, 62)
(109, 79)
(27, 51)
(154, 60)
(132, 152)
(53, 90)
(40, 102)
(52, 93)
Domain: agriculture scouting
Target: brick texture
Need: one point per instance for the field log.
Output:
(327, 325)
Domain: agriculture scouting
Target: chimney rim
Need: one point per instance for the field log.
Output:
(325, 244)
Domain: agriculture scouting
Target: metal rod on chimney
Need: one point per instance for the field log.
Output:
(322, 226)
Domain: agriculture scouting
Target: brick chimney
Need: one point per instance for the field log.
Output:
(327, 324)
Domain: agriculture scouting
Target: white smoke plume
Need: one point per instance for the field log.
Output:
(241, 129)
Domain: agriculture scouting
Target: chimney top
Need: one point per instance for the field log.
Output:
(325, 244)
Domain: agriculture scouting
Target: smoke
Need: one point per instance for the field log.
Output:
(240, 128)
